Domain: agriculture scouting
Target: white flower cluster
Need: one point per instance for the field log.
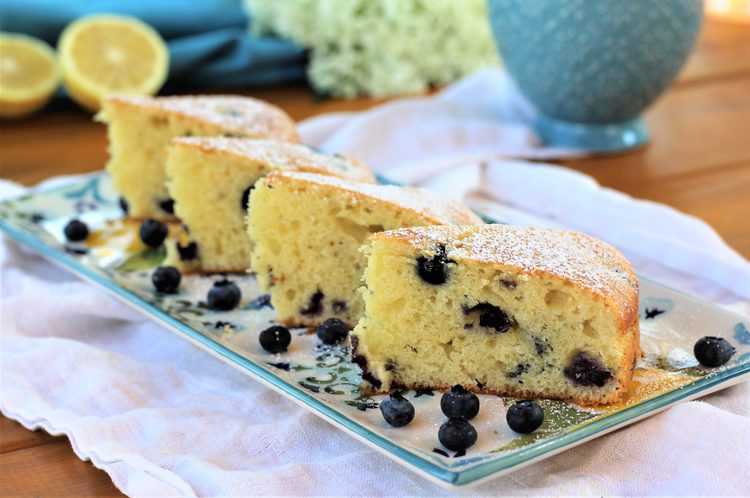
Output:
(381, 47)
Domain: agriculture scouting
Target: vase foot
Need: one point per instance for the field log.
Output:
(605, 138)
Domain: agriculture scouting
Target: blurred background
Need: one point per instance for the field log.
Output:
(655, 94)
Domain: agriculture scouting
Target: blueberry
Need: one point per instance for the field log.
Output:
(492, 317)
(459, 403)
(509, 284)
(167, 205)
(397, 410)
(525, 417)
(434, 270)
(315, 305)
(76, 231)
(339, 306)
(585, 370)
(224, 296)
(457, 434)
(246, 197)
(275, 339)
(123, 205)
(518, 370)
(188, 252)
(332, 331)
(166, 279)
(153, 233)
(713, 351)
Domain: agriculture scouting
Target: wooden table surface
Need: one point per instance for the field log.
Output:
(698, 162)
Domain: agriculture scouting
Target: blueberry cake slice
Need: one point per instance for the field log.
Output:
(513, 311)
(210, 179)
(140, 128)
(306, 231)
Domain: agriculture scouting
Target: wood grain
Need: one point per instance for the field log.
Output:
(51, 470)
(723, 51)
(698, 162)
(14, 436)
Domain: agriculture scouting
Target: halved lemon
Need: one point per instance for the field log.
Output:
(104, 54)
(29, 74)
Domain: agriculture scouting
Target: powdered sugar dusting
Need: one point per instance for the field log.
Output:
(242, 115)
(427, 204)
(282, 155)
(571, 256)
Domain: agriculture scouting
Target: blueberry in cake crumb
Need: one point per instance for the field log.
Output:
(123, 205)
(188, 252)
(315, 305)
(224, 296)
(166, 279)
(361, 362)
(492, 317)
(525, 416)
(518, 371)
(275, 339)
(713, 351)
(585, 370)
(246, 198)
(459, 403)
(434, 270)
(542, 346)
(397, 410)
(509, 284)
(167, 205)
(339, 306)
(332, 331)
(457, 434)
(76, 231)
(153, 233)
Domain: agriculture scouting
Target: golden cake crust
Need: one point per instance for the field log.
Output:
(572, 257)
(244, 116)
(286, 155)
(421, 202)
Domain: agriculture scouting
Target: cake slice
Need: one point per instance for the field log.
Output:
(523, 312)
(306, 231)
(210, 179)
(140, 128)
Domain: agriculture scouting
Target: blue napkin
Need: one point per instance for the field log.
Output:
(209, 43)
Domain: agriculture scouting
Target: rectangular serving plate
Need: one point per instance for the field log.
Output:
(323, 380)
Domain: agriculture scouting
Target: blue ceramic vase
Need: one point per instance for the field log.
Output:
(592, 67)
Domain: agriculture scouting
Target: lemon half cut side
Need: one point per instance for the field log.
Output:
(104, 54)
(29, 74)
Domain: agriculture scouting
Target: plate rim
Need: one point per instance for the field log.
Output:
(434, 472)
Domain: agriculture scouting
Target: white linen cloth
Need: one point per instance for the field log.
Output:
(165, 419)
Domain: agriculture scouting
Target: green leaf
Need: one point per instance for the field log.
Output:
(144, 260)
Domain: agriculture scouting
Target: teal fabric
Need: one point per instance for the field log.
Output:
(208, 40)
